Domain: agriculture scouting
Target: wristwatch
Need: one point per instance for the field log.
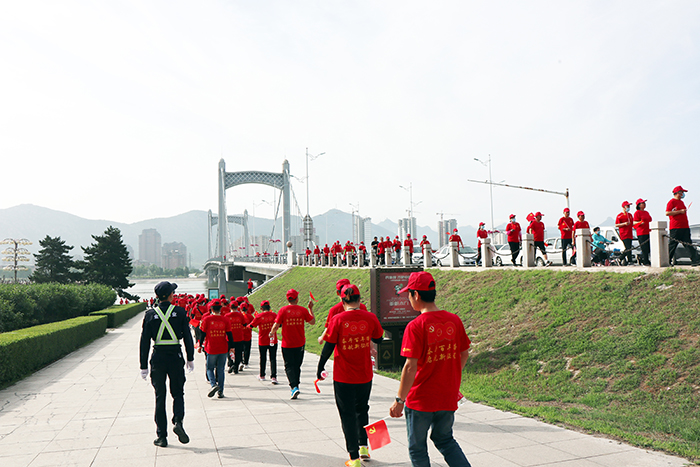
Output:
(400, 401)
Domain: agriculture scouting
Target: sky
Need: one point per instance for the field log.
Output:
(122, 110)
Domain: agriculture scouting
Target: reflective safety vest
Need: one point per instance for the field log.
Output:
(165, 324)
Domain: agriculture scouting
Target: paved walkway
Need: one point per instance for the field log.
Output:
(92, 409)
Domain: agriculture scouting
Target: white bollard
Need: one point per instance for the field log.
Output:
(339, 259)
(454, 254)
(360, 259)
(528, 251)
(583, 248)
(372, 259)
(388, 259)
(427, 256)
(407, 260)
(486, 253)
(658, 242)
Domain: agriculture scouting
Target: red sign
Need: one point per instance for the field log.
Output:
(392, 307)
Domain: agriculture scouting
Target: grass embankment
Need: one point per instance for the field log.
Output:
(609, 353)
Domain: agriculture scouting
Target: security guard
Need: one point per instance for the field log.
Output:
(166, 324)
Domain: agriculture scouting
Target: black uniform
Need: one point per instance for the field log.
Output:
(167, 360)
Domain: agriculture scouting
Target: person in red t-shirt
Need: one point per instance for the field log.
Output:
(456, 238)
(581, 223)
(238, 321)
(436, 348)
(337, 308)
(624, 222)
(247, 310)
(566, 227)
(264, 322)
(641, 225)
(536, 228)
(480, 234)
(348, 339)
(250, 286)
(409, 243)
(514, 236)
(679, 229)
(216, 340)
(292, 318)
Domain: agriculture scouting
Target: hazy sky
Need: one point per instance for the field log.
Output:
(121, 110)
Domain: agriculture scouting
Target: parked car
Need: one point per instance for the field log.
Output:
(503, 256)
(417, 257)
(442, 256)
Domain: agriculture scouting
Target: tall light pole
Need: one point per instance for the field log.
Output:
(313, 158)
(490, 186)
(410, 197)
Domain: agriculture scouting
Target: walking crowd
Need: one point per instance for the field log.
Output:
(435, 346)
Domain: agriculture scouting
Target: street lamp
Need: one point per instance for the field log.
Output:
(313, 158)
(488, 163)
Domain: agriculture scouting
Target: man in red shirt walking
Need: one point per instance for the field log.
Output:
(250, 286)
(348, 338)
(514, 235)
(641, 225)
(566, 227)
(292, 318)
(536, 228)
(456, 238)
(678, 226)
(264, 322)
(436, 348)
(216, 340)
(624, 222)
(480, 234)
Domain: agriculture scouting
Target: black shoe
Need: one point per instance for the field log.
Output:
(161, 442)
(180, 432)
(213, 391)
(230, 370)
(221, 395)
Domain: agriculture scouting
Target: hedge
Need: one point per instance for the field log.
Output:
(22, 306)
(120, 314)
(24, 351)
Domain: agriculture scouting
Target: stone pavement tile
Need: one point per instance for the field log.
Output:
(590, 446)
(491, 439)
(116, 454)
(292, 436)
(186, 459)
(79, 428)
(19, 460)
(240, 437)
(536, 454)
(81, 457)
(25, 448)
(320, 453)
(69, 444)
(576, 463)
(23, 433)
(252, 457)
(127, 462)
(638, 458)
(536, 430)
(487, 416)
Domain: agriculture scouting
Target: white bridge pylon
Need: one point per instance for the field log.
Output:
(240, 220)
(230, 179)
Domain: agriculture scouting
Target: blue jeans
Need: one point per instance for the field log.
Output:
(440, 423)
(216, 362)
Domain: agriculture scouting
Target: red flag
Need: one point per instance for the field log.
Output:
(312, 296)
(378, 434)
(318, 390)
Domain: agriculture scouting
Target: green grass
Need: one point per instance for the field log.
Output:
(602, 352)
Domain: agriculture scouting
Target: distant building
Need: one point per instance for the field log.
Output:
(361, 229)
(150, 247)
(174, 255)
(445, 228)
(407, 225)
(130, 250)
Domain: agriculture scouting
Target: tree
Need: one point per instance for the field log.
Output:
(53, 263)
(107, 261)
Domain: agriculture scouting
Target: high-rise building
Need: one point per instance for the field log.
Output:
(174, 255)
(361, 229)
(407, 225)
(445, 228)
(150, 247)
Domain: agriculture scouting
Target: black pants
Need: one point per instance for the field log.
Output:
(565, 243)
(682, 235)
(293, 358)
(628, 250)
(353, 407)
(235, 363)
(246, 352)
(646, 250)
(272, 349)
(514, 250)
(168, 365)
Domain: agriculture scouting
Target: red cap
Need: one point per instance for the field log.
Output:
(341, 283)
(678, 189)
(455, 230)
(580, 213)
(538, 214)
(215, 302)
(292, 294)
(423, 281)
(481, 223)
(408, 235)
(264, 303)
(567, 210)
(425, 236)
(511, 216)
(626, 203)
(640, 201)
(350, 289)
(243, 307)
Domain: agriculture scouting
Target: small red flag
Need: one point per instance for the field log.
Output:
(378, 434)
(312, 296)
(318, 390)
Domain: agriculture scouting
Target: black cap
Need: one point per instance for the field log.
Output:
(164, 289)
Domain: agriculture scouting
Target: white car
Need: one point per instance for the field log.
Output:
(466, 257)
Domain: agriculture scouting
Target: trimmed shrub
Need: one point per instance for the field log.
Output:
(24, 351)
(23, 306)
(120, 314)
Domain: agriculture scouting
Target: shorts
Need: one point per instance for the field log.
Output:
(541, 246)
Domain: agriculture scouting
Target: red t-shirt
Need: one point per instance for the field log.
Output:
(643, 227)
(456, 238)
(216, 327)
(625, 230)
(513, 231)
(338, 308)
(351, 332)
(536, 228)
(679, 221)
(237, 322)
(581, 225)
(479, 235)
(436, 339)
(247, 332)
(264, 322)
(566, 226)
(292, 318)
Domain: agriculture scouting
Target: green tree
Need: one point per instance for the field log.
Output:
(107, 261)
(53, 263)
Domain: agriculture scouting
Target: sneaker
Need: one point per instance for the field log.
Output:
(240, 368)
(548, 263)
(364, 452)
(212, 391)
(246, 366)
(161, 442)
(261, 378)
(221, 395)
(230, 370)
(273, 380)
(180, 432)
(295, 393)
(353, 463)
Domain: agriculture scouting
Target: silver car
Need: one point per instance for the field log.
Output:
(466, 257)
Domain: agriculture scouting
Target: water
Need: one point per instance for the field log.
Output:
(144, 287)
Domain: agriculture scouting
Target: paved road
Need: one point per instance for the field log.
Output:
(92, 409)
